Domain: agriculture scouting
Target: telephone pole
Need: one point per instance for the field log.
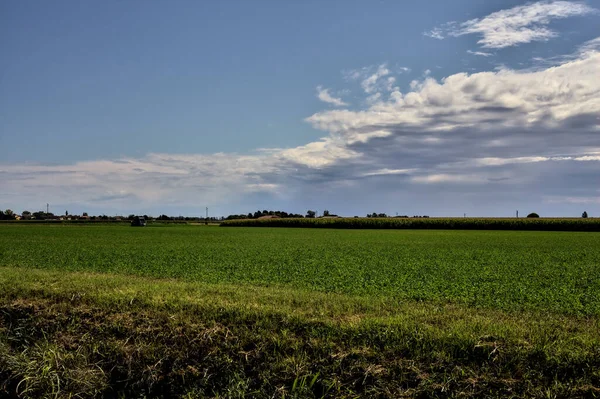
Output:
(47, 208)
(206, 220)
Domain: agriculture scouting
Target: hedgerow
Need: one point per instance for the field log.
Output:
(425, 223)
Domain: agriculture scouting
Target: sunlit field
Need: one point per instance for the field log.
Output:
(207, 311)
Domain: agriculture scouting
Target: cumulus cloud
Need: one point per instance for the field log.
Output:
(483, 137)
(506, 98)
(325, 96)
(505, 127)
(514, 26)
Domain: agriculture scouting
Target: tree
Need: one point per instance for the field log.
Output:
(310, 214)
(84, 214)
(26, 214)
(325, 212)
(584, 215)
(7, 215)
(533, 215)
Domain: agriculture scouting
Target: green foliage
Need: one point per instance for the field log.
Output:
(533, 215)
(373, 221)
(257, 214)
(553, 271)
(7, 215)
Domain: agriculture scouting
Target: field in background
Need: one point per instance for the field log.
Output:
(275, 312)
(527, 224)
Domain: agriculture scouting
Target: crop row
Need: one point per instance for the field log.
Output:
(426, 223)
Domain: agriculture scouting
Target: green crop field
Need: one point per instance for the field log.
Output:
(436, 313)
(555, 271)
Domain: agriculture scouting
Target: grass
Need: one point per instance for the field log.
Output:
(82, 333)
(194, 311)
(554, 271)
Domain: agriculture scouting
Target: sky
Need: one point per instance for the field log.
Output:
(439, 108)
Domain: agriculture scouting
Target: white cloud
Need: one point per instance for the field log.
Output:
(497, 161)
(325, 96)
(447, 178)
(435, 33)
(591, 46)
(504, 98)
(386, 172)
(480, 53)
(358, 137)
(375, 79)
(372, 99)
(370, 84)
(514, 26)
(317, 154)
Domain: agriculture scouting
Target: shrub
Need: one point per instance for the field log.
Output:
(533, 215)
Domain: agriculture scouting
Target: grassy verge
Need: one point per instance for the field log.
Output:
(68, 334)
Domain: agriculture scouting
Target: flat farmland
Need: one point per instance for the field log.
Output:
(211, 312)
(552, 271)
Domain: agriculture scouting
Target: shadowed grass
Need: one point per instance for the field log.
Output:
(74, 333)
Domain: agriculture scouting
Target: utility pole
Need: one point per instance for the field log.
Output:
(206, 220)
(517, 214)
(47, 208)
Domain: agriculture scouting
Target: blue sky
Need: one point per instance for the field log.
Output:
(437, 107)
